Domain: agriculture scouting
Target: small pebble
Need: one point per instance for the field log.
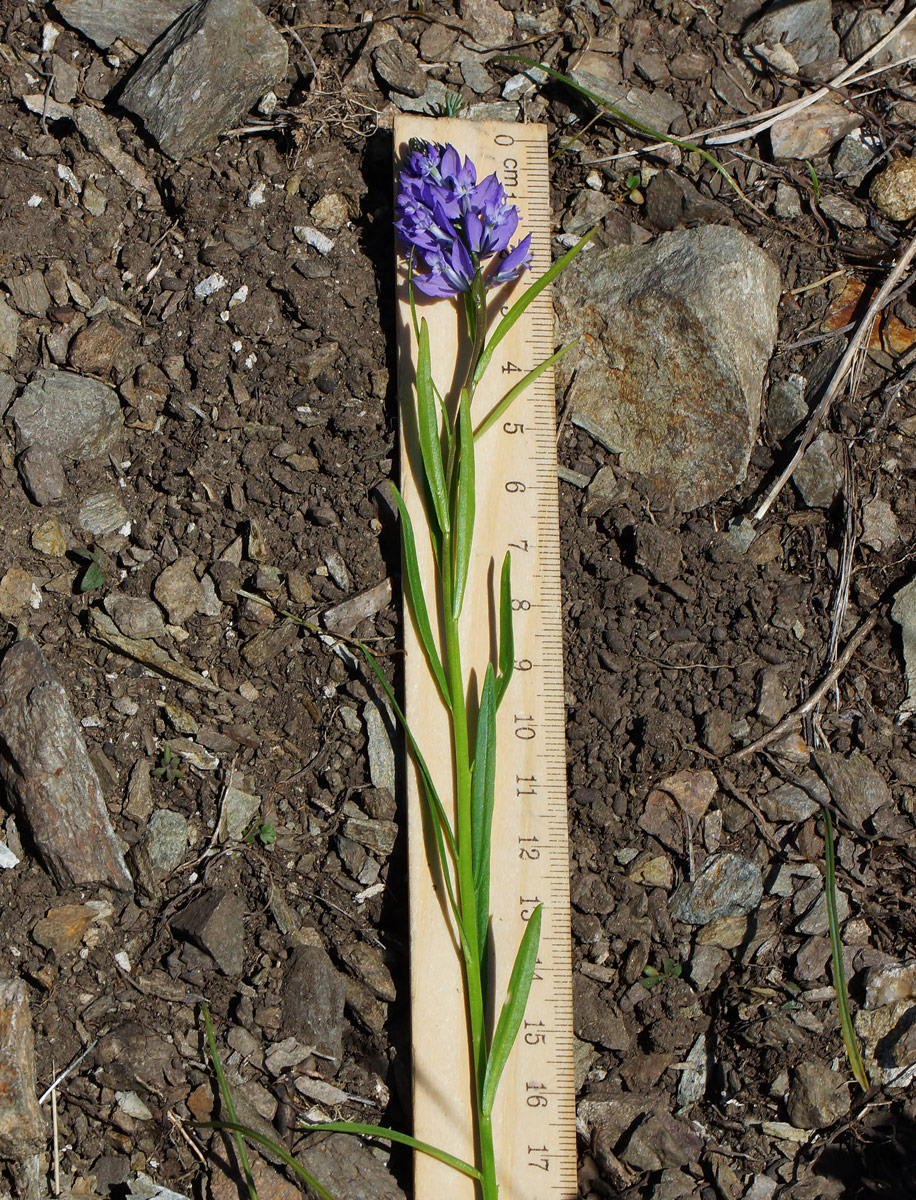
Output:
(207, 287)
(893, 192)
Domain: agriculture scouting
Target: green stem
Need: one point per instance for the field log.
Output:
(488, 1185)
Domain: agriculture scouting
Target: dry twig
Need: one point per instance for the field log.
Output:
(784, 111)
(786, 724)
(858, 340)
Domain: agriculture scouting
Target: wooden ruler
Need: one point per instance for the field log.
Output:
(516, 510)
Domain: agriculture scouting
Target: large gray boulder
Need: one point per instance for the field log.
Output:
(675, 338)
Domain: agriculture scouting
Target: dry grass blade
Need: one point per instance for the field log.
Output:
(816, 696)
(797, 106)
(856, 343)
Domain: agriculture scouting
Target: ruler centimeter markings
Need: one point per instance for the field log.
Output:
(517, 510)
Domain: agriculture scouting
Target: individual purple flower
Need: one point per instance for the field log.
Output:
(452, 224)
(512, 263)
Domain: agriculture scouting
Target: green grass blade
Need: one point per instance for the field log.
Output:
(428, 429)
(432, 794)
(416, 598)
(252, 1135)
(513, 1010)
(525, 382)
(523, 303)
(465, 502)
(621, 116)
(483, 791)
(403, 1139)
(226, 1096)
(506, 634)
(442, 829)
(850, 1041)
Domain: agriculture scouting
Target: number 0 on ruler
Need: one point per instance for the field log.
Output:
(517, 511)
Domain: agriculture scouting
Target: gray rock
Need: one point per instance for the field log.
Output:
(814, 920)
(240, 810)
(313, 1000)
(786, 407)
(654, 108)
(22, 1131)
(53, 785)
(166, 840)
(132, 1055)
(672, 202)
(202, 76)
(879, 525)
(72, 415)
(42, 474)
(103, 514)
(136, 22)
(706, 967)
(818, 1096)
(379, 749)
(813, 130)
(854, 158)
(474, 73)
(266, 646)
(398, 65)
(817, 477)
(586, 210)
(215, 922)
(727, 885)
(135, 616)
(491, 25)
(660, 1140)
(771, 696)
(178, 590)
(787, 203)
(347, 1167)
(692, 1084)
(844, 212)
(101, 133)
(904, 613)
(789, 803)
(29, 293)
(9, 330)
(869, 27)
(377, 836)
(856, 787)
(679, 334)
(596, 1018)
(366, 963)
(804, 27)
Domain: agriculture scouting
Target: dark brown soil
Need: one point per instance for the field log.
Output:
(283, 413)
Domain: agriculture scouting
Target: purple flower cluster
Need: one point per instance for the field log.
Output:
(453, 223)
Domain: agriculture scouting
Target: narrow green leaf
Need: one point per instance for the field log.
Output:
(432, 794)
(428, 429)
(276, 1148)
(442, 829)
(465, 502)
(525, 382)
(483, 790)
(506, 634)
(417, 600)
(522, 304)
(226, 1097)
(621, 116)
(404, 1139)
(850, 1041)
(510, 1019)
